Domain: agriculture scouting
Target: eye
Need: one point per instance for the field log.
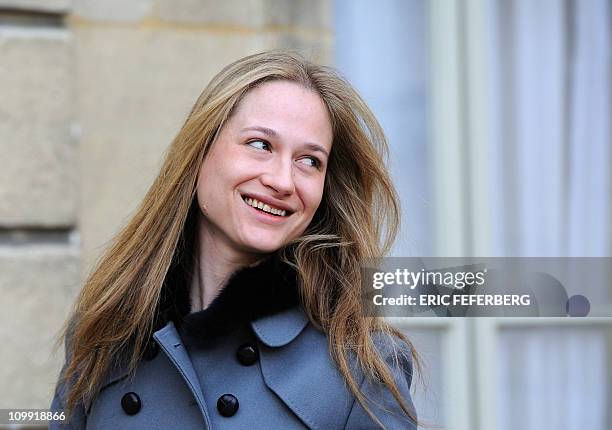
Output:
(259, 144)
(311, 161)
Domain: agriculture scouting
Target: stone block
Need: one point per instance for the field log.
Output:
(38, 285)
(313, 46)
(305, 14)
(54, 6)
(38, 166)
(247, 13)
(315, 14)
(113, 10)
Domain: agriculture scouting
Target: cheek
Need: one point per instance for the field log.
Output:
(312, 196)
(203, 194)
(218, 178)
(208, 178)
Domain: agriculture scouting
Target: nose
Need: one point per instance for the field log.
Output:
(279, 177)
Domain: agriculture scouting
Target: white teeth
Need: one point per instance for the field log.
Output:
(266, 208)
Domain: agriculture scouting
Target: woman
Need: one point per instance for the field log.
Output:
(231, 299)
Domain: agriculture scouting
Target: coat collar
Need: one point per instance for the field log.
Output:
(266, 296)
(279, 329)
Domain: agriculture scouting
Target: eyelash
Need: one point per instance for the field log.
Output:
(316, 161)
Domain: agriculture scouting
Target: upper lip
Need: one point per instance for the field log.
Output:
(269, 201)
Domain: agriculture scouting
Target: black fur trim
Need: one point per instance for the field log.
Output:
(252, 292)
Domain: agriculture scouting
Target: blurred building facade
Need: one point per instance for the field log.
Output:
(498, 118)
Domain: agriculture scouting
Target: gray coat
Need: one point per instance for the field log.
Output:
(272, 372)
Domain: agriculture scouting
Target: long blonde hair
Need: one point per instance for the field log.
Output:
(358, 218)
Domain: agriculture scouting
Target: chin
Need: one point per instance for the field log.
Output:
(264, 247)
(265, 250)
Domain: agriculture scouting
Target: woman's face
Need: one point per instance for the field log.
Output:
(271, 154)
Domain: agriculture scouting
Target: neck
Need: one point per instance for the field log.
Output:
(216, 261)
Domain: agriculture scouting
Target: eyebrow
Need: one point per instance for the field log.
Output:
(273, 133)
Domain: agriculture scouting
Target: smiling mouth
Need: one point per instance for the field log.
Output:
(263, 207)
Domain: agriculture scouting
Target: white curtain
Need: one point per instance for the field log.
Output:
(590, 167)
(548, 119)
(557, 380)
(550, 62)
(551, 169)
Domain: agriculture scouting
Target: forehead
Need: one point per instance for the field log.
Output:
(290, 109)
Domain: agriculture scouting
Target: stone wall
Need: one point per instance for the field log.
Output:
(39, 246)
(92, 92)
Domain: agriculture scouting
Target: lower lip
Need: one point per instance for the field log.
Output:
(264, 216)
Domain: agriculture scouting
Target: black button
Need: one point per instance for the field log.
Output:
(130, 402)
(247, 354)
(151, 350)
(227, 405)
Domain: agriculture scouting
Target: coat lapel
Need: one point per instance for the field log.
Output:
(297, 366)
(171, 343)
